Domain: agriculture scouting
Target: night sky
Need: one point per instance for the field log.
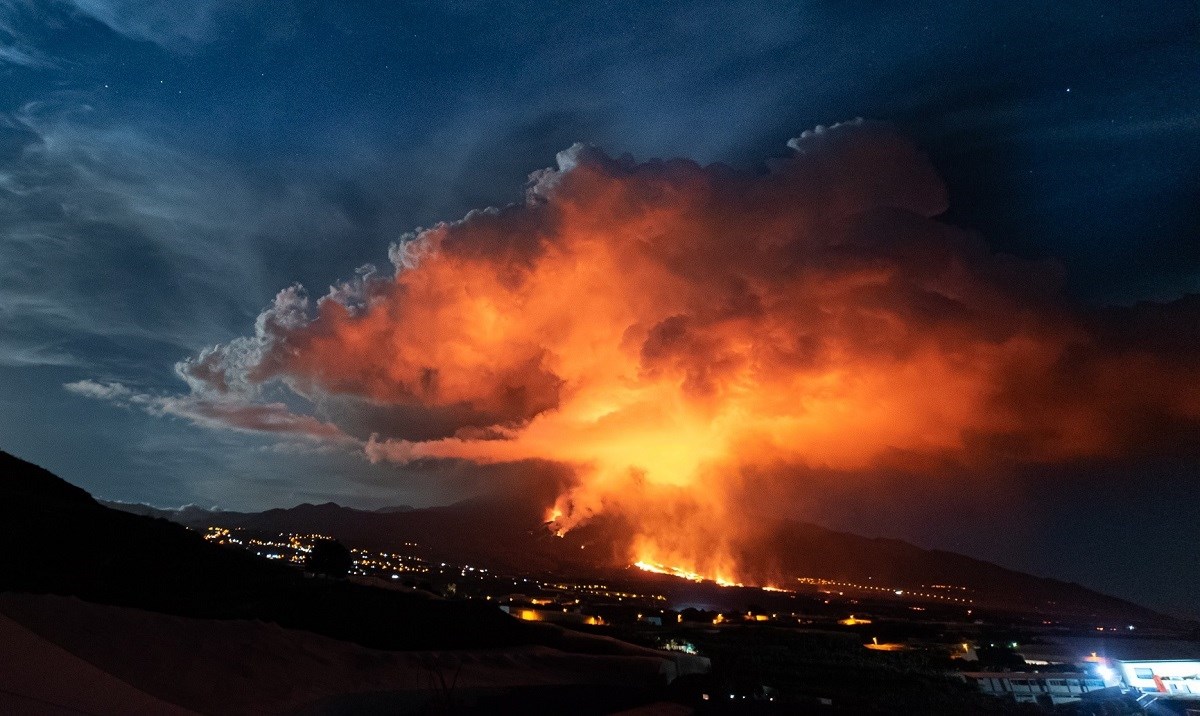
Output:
(167, 168)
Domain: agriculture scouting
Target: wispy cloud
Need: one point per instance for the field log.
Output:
(110, 232)
(227, 412)
(22, 56)
(15, 47)
(177, 26)
(22, 355)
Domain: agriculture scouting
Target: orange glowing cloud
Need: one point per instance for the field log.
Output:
(664, 327)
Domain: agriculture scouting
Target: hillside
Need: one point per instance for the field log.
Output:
(508, 535)
(58, 540)
(118, 660)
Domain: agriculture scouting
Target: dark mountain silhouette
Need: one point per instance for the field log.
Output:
(327, 518)
(58, 540)
(508, 535)
(805, 549)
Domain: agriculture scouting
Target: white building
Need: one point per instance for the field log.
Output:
(1033, 687)
(1176, 676)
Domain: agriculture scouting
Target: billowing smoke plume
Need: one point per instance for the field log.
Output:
(671, 330)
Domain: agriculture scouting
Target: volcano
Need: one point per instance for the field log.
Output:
(788, 555)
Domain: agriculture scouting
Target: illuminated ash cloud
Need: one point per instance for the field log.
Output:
(671, 330)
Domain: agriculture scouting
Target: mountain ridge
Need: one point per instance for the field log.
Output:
(509, 535)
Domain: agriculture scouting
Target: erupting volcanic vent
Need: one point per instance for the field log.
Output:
(678, 333)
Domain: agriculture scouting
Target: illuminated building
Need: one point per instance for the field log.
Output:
(1046, 689)
(1175, 676)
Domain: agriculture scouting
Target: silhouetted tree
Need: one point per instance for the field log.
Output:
(329, 558)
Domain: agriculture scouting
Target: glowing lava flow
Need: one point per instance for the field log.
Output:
(552, 518)
(673, 571)
(688, 574)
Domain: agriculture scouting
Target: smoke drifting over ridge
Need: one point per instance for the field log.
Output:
(672, 331)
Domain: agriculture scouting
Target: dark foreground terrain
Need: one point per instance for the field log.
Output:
(107, 612)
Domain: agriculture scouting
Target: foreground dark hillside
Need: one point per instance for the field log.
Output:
(209, 650)
(58, 540)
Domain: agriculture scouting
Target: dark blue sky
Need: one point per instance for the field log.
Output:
(166, 168)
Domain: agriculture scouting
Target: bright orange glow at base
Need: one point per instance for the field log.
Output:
(688, 574)
(674, 571)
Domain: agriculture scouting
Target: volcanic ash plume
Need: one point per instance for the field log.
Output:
(672, 331)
